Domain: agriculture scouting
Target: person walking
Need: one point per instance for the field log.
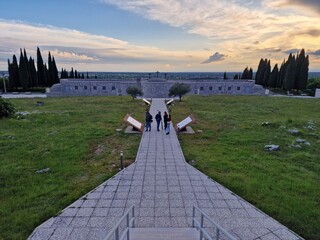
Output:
(168, 124)
(165, 120)
(158, 119)
(148, 121)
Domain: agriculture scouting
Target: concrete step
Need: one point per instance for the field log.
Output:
(164, 234)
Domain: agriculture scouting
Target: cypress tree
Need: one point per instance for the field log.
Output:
(62, 74)
(76, 74)
(50, 77)
(250, 74)
(47, 74)
(281, 75)
(266, 73)
(225, 75)
(299, 61)
(23, 71)
(272, 82)
(33, 73)
(71, 75)
(13, 69)
(290, 73)
(41, 72)
(27, 63)
(245, 74)
(54, 72)
(303, 75)
(259, 72)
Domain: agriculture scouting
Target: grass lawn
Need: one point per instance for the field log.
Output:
(76, 138)
(230, 149)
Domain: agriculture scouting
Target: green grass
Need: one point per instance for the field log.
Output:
(76, 139)
(284, 184)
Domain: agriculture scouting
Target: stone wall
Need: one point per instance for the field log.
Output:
(83, 87)
(152, 88)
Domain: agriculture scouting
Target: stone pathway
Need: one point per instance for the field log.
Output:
(163, 188)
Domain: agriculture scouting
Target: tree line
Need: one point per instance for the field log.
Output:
(72, 74)
(246, 74)
(25, 75)
(292, 74)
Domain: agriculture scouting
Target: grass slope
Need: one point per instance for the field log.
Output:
(285, 184)
(76, 139)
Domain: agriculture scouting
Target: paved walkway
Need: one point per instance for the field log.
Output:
(23, 95)
(163, 187)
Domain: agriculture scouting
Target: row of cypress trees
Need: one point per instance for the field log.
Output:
(292, 74)
(247, 73)
(71, 74)
(25, 75)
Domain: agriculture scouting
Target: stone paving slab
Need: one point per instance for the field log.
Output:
(163, 188)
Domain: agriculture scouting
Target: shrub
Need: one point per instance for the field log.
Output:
(313, 83)
(6, 108)
(134, 92)
(179, 89)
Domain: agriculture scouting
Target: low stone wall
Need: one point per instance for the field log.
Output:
(151, 88)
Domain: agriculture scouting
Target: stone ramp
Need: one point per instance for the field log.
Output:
(163, 188)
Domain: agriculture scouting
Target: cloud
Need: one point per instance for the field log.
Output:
(244, 30)
(215, 58)
(316, 53)
(310, 32)
(313, 5)
(216, 19)
(273, 50)
(72, 55)
(72, 48)
(292, 51)
(195, 16)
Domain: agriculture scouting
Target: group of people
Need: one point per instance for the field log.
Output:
(158, 117)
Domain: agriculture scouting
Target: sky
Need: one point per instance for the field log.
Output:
(160, 35)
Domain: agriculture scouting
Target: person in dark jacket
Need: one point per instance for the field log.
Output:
(148, 121)
(165, 120)
(158, 119)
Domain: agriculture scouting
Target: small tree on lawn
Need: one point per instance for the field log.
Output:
(179, 89)
(134, 92)
(6, 108)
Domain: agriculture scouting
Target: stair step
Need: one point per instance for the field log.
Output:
(164, 234)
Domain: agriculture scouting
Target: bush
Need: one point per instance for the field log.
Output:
(6, 108)
(179, 89)
(313, 83)
(134, 92)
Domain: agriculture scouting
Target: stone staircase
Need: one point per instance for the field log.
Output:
(164, 234)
